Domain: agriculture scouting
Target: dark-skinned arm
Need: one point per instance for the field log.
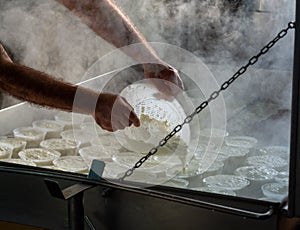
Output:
(110, 111)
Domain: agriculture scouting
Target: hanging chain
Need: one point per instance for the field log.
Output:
(213, 96)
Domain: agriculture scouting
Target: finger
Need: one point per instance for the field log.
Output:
(133, 119)
(107, 128)
(122, 121)
(106, 125)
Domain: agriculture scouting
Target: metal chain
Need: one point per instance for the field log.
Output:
(213, 96)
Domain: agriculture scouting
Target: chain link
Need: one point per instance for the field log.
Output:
(213, 96)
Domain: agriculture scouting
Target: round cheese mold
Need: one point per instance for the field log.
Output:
(280, 151)
(91, 153)
(39, 156)
(282, 177)
(230, 151)
(31, 135)
(267, 160)
(71, 164)
(232, 157)
(241, 141)
(107, 141)
(128, 160)
(214, 168)
(256, 173)
(79, 136)
(52, 128)
(276, 191)
(113, 170)
(16, 144)
(190, 170)
(69, 120)
(65, 147)
(227, 182)
(92, 127)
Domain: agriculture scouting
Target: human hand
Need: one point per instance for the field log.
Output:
(170, 84)
(113, 112)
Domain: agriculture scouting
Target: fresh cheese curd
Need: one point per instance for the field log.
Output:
(71, 164)
(142, 139)
(65, 147)
(52, 128)
(149, 131)
(16, 144)
(39, 156)
(31, 135)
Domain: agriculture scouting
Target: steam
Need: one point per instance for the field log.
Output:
(225, 38)
(46, 36)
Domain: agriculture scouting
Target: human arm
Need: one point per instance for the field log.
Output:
(110, 111)
(106, 19)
